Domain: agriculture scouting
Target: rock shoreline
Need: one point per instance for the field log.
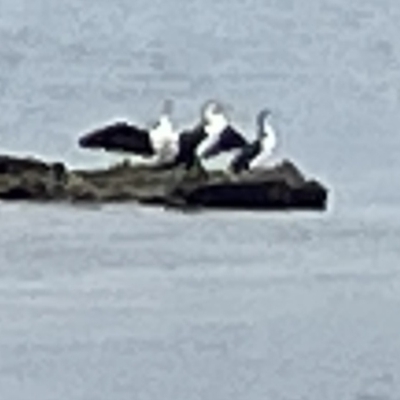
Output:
(282, 187)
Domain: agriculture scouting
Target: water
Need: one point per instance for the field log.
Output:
(210, 305)
(126, 302)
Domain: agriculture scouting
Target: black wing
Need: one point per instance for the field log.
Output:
(188, 142)
(119, 136)
(229, 139)
(242, 160)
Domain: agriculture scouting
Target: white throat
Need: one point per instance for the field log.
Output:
(269, 135)
(268, 144)
(214, 126)
(165, 124)
(164, 139)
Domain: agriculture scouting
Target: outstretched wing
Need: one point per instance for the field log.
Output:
(228, 140)
(119, 136)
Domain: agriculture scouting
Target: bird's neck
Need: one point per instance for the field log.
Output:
(265, 130)
(165, 123)
(216, 124)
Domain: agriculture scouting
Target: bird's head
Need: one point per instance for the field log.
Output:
(211, 109)
(262, 118)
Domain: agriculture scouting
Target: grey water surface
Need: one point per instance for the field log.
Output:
(127, 302)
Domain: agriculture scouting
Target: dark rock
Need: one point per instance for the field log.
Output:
(146, 184)
(282, 187)
(14, 165)
(285, 171)
(31, 179)
(279, 188)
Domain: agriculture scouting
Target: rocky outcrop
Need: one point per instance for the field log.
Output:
(31, 179)
(281, 187)
(146, 184)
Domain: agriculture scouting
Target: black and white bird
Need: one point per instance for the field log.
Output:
(255, 154)
(159, 143)
(163, 137)
(210, 138)
(163, 145)
(221, 138)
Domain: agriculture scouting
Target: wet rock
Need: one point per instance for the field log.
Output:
(281, 187)
(31, 179)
